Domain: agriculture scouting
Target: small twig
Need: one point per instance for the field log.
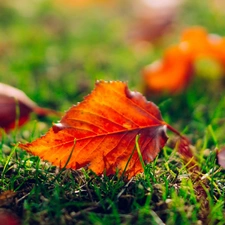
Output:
(124, 188)
(156, 217)
(91, 208)
(121, 192)
(20, 199)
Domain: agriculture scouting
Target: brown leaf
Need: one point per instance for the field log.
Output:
(6, 197)
(15, 107)
(152, 19)
(104, 127)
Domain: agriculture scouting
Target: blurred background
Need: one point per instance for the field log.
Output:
(55, 50)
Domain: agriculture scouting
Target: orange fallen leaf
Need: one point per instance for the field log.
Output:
(100, 132)
(174, 71)
(15, 107)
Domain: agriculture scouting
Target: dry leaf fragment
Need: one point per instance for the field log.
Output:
(193, 169)
(221, 157)
(103, 128)
(15, 107)
(184, 149)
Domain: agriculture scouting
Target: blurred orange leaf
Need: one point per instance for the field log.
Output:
(175, 70)
(15, 107)
(83, 3)
(172, 74)
(100, 132)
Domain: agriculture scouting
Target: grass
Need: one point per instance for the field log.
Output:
(55, 55)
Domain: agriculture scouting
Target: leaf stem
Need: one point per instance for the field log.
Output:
(174, 130)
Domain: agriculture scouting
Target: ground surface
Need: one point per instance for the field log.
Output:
(55, 54)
